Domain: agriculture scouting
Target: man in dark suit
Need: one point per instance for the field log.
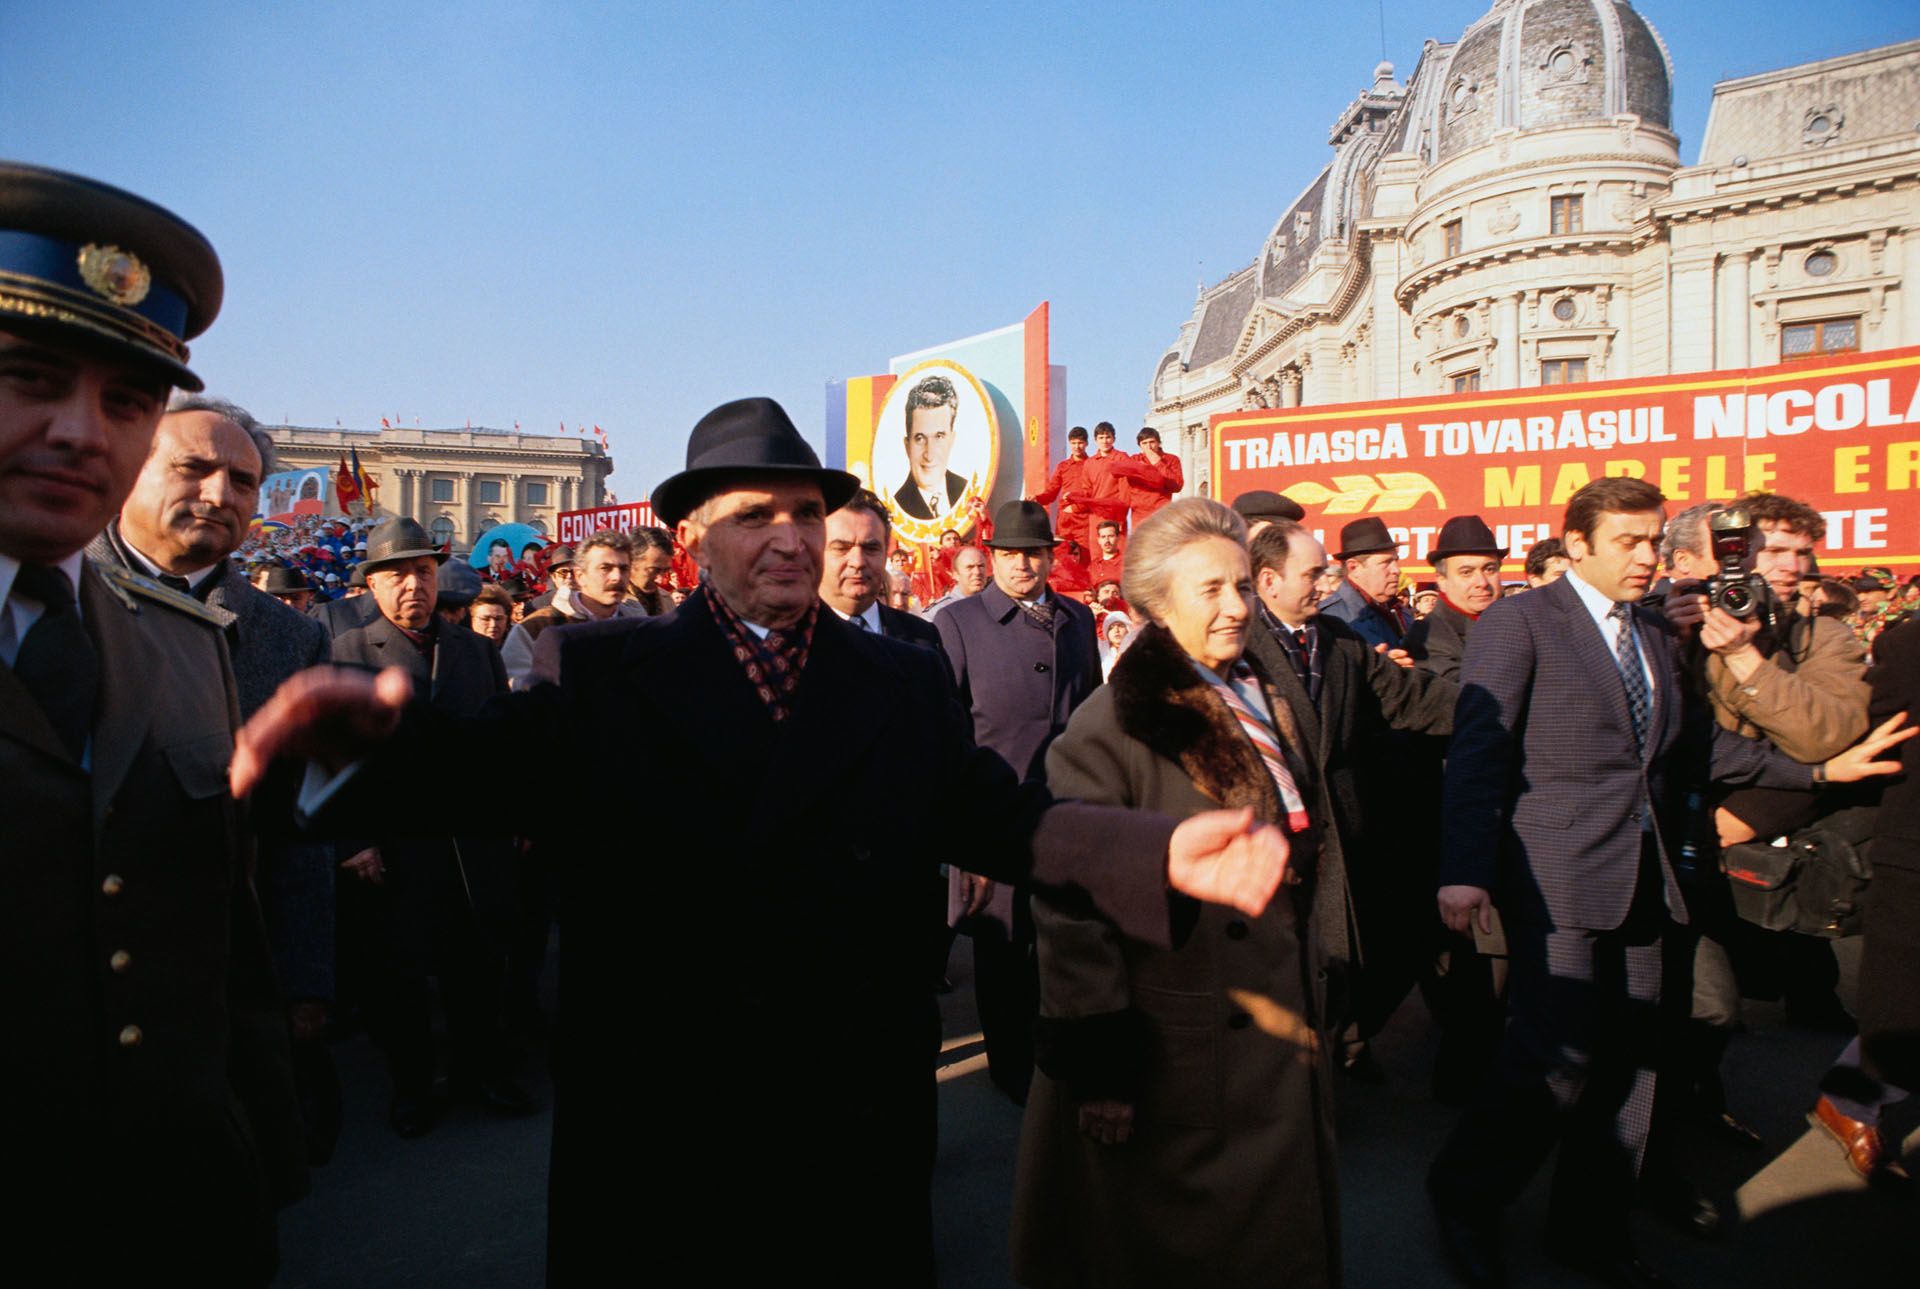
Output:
(1023, 658)
(764, 944)
(1573, 748)
(854, 575)
(1465, 992)
(420, 907)
(1347, 699)
(931, 490)
(149, 1118)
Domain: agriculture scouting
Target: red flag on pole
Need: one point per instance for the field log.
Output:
(384, 425)
(345, 486)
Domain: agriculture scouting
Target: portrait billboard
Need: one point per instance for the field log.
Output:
(1841, 434)
(292, 493)
(987, 411)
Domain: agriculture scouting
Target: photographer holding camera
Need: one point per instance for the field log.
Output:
(1797, 681)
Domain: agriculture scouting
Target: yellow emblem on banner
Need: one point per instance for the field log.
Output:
(115, 274)
(1350, 493)
(1033, 430)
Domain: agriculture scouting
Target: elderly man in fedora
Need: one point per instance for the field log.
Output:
(1023, 658)
(1369, 599)
(412, 906)
(746, 1003)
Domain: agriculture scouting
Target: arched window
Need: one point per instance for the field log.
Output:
(442, 531)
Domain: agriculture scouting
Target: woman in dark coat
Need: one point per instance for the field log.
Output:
(1179, 1129)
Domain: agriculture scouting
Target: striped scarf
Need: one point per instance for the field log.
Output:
(1245, 700)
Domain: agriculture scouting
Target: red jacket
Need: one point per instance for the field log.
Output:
(1149, 486)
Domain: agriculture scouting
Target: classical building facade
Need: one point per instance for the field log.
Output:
(460, 483)
(1517, 214)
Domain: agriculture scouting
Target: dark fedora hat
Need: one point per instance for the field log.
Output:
(397, 539)
(749, 438)
(1364, 537)
(90, 264)
(559, 555)
(459, 584)
(1261, 504)
(1466, 535)
(281, 580)
(1020, 526)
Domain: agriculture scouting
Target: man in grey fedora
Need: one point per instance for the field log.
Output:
(1369, 599)
(1023, 659)
(413, 906)
(746, 1000)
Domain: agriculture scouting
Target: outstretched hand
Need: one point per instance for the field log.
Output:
(1858, 762)
(1223, 857)
(327, 714)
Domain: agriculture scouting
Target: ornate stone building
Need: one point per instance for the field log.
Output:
(1517, 214)
(459, 483)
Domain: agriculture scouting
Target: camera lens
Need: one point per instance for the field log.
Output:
(1737, 600)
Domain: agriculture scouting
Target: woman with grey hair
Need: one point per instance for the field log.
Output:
(1179, 1126)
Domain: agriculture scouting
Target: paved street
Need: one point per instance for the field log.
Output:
(466, 1205)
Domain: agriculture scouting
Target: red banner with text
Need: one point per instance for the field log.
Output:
(1840, 433)
(577, 525)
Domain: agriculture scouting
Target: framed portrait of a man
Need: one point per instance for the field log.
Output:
(936, 445)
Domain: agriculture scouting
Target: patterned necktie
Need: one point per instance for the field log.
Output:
(57, 661)
(859, 622)
(1041, 611)
(174, 582)
(1266, 741)
(1626, 653)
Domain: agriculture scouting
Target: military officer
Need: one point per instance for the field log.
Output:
(149, 1115)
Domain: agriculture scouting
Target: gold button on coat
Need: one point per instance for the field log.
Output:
(130, 1036)
(120, 960)
(111, 884)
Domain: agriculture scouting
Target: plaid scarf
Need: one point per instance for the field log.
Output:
(773, 665)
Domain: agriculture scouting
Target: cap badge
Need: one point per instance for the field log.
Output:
(116, 274)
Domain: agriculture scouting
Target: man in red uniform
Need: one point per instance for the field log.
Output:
(1153, 476)
(1069, 476)
(1102, 493)
(1107, 560)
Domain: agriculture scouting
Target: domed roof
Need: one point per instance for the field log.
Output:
(1531, 63)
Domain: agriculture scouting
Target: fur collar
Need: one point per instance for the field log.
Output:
(1162, 701)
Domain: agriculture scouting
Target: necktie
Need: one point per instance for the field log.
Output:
(173, 581)
(1626, 653)
(1041, 611)
(859, 622)
(57, 661)
(935, 503)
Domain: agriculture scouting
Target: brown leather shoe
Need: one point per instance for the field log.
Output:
(1866, 1150)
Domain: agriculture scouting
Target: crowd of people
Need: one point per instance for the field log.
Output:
(1211, 802)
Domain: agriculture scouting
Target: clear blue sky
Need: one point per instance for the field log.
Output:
(625, 214)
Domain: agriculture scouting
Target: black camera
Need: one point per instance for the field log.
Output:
(1736, 588)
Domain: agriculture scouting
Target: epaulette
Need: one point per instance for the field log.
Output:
(126, 585)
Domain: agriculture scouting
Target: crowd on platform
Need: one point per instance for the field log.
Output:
(1211, 801)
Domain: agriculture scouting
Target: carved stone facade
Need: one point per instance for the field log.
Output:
(460, 483)
(1517, 214)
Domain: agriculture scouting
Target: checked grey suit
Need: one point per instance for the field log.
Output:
(1551, 804)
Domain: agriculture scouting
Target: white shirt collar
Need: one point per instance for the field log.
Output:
(1591, 596)
(10, 569)
(153, 570)
(870, 615)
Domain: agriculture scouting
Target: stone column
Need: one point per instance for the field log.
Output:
(514, 502)
(1690, 346)
(1506, 337)
(1906, 254)
(1290, 384)
(1733, 320)
(469, 498)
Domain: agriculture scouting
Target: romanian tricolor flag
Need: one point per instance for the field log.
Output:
(359, 475)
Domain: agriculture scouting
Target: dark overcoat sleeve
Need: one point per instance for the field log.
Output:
(1890, 959)
(1496, 684)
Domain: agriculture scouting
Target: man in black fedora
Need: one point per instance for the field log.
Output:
(1466, 983)
(745, 1001)
(1023, 658)
(1466, 570)
(147, 1110)
(1369, 599)
(413, 906)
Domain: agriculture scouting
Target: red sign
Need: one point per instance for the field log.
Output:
(1841, 434)
(577, 525)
